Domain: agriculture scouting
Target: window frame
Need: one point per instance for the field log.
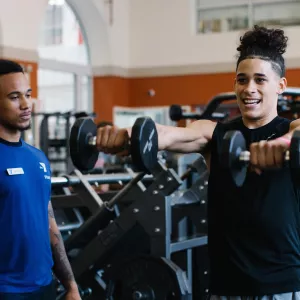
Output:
(249, 3)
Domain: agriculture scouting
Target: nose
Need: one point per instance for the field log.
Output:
(25, 102)
(250, 87)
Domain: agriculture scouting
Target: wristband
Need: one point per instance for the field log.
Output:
(286, 140)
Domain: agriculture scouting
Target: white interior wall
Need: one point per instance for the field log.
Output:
(142, 34)
(161, 35)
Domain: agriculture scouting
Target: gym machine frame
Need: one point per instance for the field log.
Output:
(153, 219)
(83, 194)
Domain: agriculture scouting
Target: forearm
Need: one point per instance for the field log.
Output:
(62, 268)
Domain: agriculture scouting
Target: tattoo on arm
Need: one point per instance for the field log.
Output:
(62, 267)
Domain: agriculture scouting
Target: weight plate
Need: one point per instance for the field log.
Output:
(83, 155)
(144, 145)
(294, 162)
(232, 145)
(147, 278)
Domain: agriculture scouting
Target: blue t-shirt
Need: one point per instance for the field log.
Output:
(25, 190)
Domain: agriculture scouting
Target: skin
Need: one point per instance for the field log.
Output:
(62, 268)
(15, 115)
(255, 79)
(15, 106)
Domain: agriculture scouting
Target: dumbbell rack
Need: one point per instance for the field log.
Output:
(146, 235)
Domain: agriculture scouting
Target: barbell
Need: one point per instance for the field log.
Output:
(143, 144)
(236, 158)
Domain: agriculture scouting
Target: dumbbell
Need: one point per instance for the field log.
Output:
(143, 144)
(236, 158)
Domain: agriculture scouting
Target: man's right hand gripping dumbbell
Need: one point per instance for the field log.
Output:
(113, 140)
(193, 138)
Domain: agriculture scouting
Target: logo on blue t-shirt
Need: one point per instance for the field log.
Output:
(43, 167)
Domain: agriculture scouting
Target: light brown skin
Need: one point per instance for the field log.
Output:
(62, 268)
(15, 114)
(255, 79)
(15, 101)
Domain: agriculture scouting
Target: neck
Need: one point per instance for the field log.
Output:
(256, 123)
(10, 135)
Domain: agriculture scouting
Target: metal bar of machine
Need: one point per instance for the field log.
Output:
(70, 180)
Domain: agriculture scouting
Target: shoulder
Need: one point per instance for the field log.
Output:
(234, 124)
(39, 154)
(220, 130)
(284, 125)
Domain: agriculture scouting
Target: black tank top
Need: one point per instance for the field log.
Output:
(253, 230)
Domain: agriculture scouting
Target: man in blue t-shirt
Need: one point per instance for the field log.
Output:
(31, 244)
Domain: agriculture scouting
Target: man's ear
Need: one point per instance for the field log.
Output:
(282, 85)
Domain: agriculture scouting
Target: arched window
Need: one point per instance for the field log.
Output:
(64, 81)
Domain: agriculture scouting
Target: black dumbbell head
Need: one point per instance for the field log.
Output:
(83, 155)
(144, 145)
(232, 145)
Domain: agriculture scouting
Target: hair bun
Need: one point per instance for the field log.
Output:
(271, 40)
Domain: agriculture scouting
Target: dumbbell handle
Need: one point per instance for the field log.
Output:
(92, 140)
(245, 156)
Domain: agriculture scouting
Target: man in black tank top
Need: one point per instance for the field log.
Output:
(253, 230)
(253, 233)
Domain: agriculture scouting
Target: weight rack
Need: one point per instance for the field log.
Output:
(159, 222)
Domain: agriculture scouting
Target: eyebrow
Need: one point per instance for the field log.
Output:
(17, 92)
(256, 74)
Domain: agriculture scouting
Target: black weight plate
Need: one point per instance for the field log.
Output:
(144, 145)
(232, 145)
(148, 278)
(83, 155)
(295, 157)
(175, 112)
